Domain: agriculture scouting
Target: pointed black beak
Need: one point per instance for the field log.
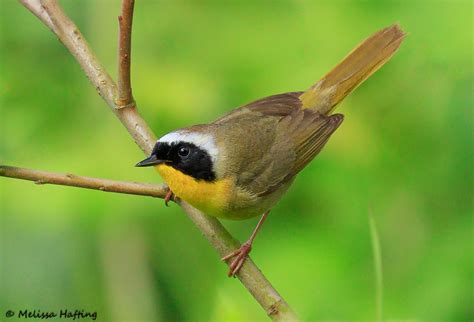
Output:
(152, 160)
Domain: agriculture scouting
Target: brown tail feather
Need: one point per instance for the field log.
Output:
(355, 68)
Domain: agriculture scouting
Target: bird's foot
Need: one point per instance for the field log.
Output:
(240, 255)
(169, 196)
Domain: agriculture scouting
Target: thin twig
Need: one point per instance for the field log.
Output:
(43, 177)
(256, 283)
(124, 54)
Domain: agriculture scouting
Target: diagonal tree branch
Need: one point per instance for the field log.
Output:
(51, 14)
(44, 177)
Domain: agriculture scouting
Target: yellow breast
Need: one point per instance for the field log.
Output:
(210, 197)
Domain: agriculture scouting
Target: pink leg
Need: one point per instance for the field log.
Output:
(169, 196)
(242, 253)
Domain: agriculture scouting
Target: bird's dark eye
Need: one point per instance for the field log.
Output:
(183, 151)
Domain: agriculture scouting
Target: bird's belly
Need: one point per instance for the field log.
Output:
(210, 197)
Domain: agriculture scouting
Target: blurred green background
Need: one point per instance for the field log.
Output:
(405, 151)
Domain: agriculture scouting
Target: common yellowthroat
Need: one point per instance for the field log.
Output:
(240, 165)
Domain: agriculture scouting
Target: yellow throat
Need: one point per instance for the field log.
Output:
(210, 197)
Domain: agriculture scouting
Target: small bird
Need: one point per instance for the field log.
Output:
(240, 165)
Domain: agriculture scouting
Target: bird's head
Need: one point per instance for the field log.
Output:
(191, 152)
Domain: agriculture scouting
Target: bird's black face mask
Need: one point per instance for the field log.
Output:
(183, 156)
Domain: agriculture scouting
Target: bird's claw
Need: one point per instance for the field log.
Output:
(240, 255)
(169, 196)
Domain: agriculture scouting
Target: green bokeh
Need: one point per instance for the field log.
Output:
(405, 151)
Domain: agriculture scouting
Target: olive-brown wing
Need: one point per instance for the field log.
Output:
(300, 137)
